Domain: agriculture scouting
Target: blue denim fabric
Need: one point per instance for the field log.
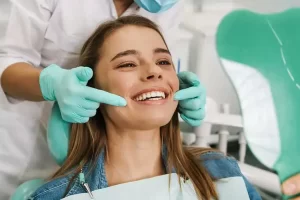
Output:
(217, 165)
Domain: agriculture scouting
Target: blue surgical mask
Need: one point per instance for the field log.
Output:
(156, 6)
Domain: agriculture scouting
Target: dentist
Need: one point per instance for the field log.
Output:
(38, 63)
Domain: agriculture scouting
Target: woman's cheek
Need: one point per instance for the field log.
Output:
(175, 82)
(120, 85)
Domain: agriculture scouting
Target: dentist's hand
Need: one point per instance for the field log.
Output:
(291, 186)
(77, 102)
(192, 98)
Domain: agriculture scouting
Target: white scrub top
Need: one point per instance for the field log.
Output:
(43, 32)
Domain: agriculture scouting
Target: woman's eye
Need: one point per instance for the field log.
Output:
(164, 62)
(126, 65)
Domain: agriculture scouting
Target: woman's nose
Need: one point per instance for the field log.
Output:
(152, 72)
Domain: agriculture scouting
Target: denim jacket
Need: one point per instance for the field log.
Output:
(217, 165)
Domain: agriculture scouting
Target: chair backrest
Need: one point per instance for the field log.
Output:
(261, 55)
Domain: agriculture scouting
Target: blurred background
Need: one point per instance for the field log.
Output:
(198, 54)
(202, 23)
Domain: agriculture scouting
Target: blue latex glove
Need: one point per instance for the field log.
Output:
(77, 102)
(192, 98)
(58, 135)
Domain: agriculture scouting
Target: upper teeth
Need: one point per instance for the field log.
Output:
(147, 95)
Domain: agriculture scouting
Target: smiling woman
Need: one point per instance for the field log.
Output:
(135, 63)
(130, 58)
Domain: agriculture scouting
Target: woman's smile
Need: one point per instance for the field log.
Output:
(152, 96)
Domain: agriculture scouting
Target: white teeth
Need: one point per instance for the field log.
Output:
(156, 98)
(144, 96)
(155, 95)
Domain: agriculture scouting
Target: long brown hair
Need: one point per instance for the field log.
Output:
(89, 139)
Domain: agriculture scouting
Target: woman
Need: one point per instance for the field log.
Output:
(130, 58)
(42, 43)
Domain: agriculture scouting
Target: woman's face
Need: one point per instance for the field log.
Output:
(136, 64)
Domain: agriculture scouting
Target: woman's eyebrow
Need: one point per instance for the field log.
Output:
(161, 50)
(135, 52)
(125, 53)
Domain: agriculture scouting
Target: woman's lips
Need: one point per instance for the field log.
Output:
(152, 102)
(152, 89)
(155, 96)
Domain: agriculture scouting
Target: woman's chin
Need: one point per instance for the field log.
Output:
(154, 121)
(143, 117)
(153, 115)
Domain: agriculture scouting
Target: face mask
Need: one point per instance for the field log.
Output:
(156, 6)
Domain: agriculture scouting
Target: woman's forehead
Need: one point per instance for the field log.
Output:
(133, 37)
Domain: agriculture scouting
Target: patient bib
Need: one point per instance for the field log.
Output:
(157, 188)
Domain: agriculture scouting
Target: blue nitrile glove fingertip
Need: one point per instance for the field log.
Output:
(177, 97)
(88, 72)
(122, 102)
(196, 83)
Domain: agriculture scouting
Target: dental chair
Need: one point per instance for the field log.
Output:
(58, 141)
(260, 53)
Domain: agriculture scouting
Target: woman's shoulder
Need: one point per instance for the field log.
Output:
(70, 185)
(65, 186)
(219, 165)
(54, 189)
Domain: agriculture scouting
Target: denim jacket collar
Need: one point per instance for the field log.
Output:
(97, 177)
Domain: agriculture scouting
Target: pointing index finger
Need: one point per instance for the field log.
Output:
(102, 96)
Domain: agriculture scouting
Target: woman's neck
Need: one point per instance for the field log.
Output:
(133, 155)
